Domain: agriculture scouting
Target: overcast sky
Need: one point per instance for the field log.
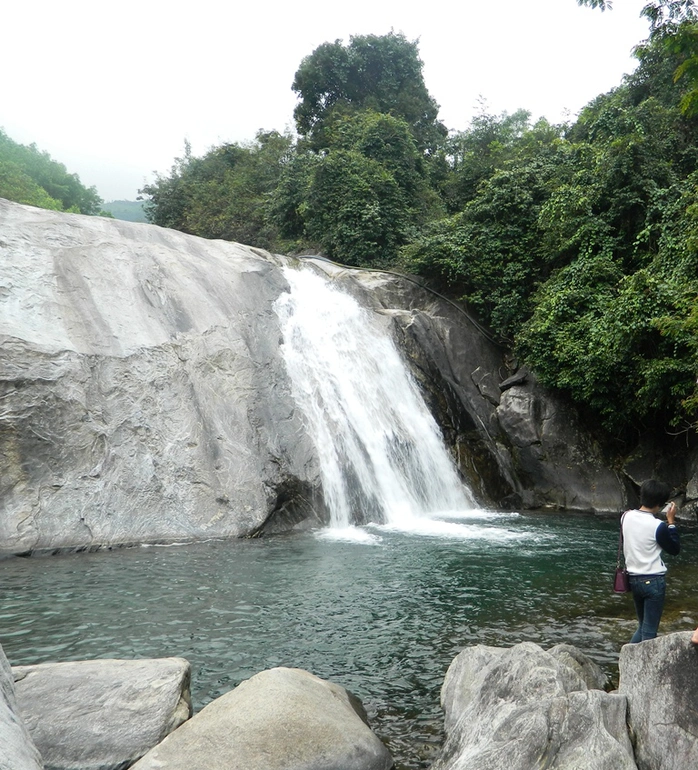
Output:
(113, 89)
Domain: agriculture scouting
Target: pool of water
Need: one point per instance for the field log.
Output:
(380, 611)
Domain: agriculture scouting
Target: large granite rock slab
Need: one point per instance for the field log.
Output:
(17, 750)
(144, 395)
(659, 678)
(555, 461)
(522, 708)
(102, 714)
(280, 719)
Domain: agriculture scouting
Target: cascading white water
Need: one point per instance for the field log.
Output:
(381, 453)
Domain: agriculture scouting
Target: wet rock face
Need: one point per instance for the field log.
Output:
(514, 441)
(556, 462)
(144, 396)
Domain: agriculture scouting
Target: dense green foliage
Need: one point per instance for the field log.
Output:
(661, 14)
(579, 248)
(378, 73)
(619, 317)
(362, 198)
(577, 244)
(30, 176)
(493, 250)
(357, 185)
(224, 194)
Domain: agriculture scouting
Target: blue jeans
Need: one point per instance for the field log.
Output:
(648, 595)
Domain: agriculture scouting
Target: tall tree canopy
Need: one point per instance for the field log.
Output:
(661, 13)
(363, 197)
(382, 73)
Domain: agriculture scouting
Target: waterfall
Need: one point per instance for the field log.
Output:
(382, 455)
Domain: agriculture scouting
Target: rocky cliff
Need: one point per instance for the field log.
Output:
(144, 397)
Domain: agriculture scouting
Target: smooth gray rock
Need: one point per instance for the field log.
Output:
(17, 750)
(102, 714)
(590, 673)
(144, 395)
(691, 504)
(659, 678)
(280, 719)
(557, 463)
(522, 707)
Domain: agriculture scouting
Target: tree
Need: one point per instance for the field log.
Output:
(579, 244)
(41, 181)
(361, 198)
(666, 15)
(388, 140)
(485, 146)
(16, 185)
(357, 183)
(602, 4)
(673, 27)
(288, 203)
(623, 346)
(381, 73)
(614, 327)
(660, 13)
(223, 194)
(492, 253)
(355, 209)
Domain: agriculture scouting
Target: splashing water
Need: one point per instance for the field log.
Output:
(382, 456)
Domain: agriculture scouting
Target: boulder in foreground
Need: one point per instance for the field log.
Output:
(522, 708)
(659, 678)
(280, 719)
(102, 714)
(17, 750)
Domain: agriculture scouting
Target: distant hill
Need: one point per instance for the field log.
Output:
(29, 175)
(130, 211)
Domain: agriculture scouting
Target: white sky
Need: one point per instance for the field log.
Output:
(112, 89)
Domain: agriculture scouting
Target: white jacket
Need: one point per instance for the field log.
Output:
(644, 537)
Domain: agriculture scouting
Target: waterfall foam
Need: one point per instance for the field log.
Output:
(382, 455)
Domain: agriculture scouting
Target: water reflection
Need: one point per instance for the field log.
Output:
(383, 617)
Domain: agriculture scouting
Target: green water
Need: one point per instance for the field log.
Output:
(383, 617)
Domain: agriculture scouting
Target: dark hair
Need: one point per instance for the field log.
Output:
(653, 493)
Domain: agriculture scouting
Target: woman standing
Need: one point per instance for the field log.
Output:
(644, 538)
